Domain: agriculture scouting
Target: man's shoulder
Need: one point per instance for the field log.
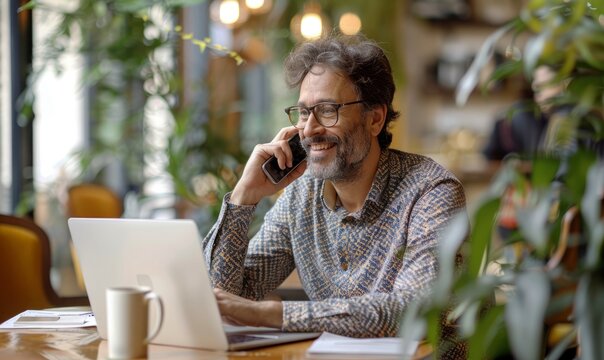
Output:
(417, 166)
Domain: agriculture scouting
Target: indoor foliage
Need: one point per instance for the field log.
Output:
(533, 291)
(129, 48)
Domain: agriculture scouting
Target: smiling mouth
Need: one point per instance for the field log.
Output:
(321, 146)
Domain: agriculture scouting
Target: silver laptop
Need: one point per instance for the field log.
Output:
(166, 256)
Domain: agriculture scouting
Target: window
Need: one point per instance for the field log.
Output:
(5, 117)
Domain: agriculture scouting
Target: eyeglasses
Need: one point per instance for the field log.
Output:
(326, 113)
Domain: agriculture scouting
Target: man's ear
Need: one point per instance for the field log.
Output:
(378, 117)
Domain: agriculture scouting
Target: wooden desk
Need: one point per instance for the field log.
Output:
(86, 344)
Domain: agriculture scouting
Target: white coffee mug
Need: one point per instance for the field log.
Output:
(127, 321)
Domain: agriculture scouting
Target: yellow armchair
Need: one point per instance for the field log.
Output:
(92, 200)
(25, 269)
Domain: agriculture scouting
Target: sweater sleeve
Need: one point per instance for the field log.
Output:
(248, 268)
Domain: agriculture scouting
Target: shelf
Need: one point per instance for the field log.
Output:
(432, 89)
(474, 13)
(462, 23)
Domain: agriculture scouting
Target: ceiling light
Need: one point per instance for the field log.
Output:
(350, 23)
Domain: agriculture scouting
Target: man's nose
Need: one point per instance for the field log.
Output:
(312, 126)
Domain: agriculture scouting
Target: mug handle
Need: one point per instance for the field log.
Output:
(150, 296)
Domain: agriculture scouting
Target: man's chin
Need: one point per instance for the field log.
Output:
(319, 171)
(318, 162)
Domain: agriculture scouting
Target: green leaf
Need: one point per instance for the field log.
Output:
(134, 6)
(525, 313)
(591, 208)
(182, 3)
(586, 84)
(27, 202)
(544, 171)
(590, 315)
(488, 336)
(533, 50)
(527, 14)
(413, 325)
(480, 238)
(578, 165)
(453, 236)
(505, 70)
(577, 13)
(586, 53)
(470, 79)
(597, 7)
(590, 204)
(535, 4)
(534, 222)
(469, 317)
(433, 328)
(28, 5)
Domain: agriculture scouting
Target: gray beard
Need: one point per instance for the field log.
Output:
(349, 158)
(338, 170)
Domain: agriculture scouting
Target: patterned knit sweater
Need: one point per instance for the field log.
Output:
(360, 270)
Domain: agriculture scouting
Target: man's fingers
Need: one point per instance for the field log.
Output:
(296, 173)
(282, 150)
(285, 133)
(219, 294)
(231, 321)
(237, 310)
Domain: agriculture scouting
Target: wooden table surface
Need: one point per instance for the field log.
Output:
(86, 344)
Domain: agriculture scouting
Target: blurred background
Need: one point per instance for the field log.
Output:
(159, 102)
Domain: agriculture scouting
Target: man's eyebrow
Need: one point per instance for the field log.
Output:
(329, 100)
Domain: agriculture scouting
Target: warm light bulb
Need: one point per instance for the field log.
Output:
(254, 4)
(350, 23)
(311, 26)
(229, 11)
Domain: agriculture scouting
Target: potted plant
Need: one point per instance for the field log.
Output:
(122, 44)
(566, 177)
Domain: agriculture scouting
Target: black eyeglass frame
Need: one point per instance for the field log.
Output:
(312, 110)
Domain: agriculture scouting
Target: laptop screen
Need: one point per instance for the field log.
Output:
(164, 255)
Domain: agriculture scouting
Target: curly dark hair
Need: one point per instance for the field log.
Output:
(360, 59)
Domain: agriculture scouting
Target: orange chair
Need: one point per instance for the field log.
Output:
(25, 269)
(92, 200)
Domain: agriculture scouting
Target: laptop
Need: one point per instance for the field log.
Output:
(166, 256)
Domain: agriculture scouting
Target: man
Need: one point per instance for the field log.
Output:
(528, 129)
(359, 221)
(521, 129)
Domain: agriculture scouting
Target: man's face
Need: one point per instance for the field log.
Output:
(542, 87)
(334, 153)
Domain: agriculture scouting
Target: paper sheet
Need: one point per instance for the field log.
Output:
(331, 344)
(42, 319)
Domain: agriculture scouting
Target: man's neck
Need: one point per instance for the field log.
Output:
(352, 194)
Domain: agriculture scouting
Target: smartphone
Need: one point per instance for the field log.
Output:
(271, 166)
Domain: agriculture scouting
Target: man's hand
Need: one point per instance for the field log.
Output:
(254, 185)
(240, 311)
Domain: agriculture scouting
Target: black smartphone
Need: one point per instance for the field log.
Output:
(271, 166)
